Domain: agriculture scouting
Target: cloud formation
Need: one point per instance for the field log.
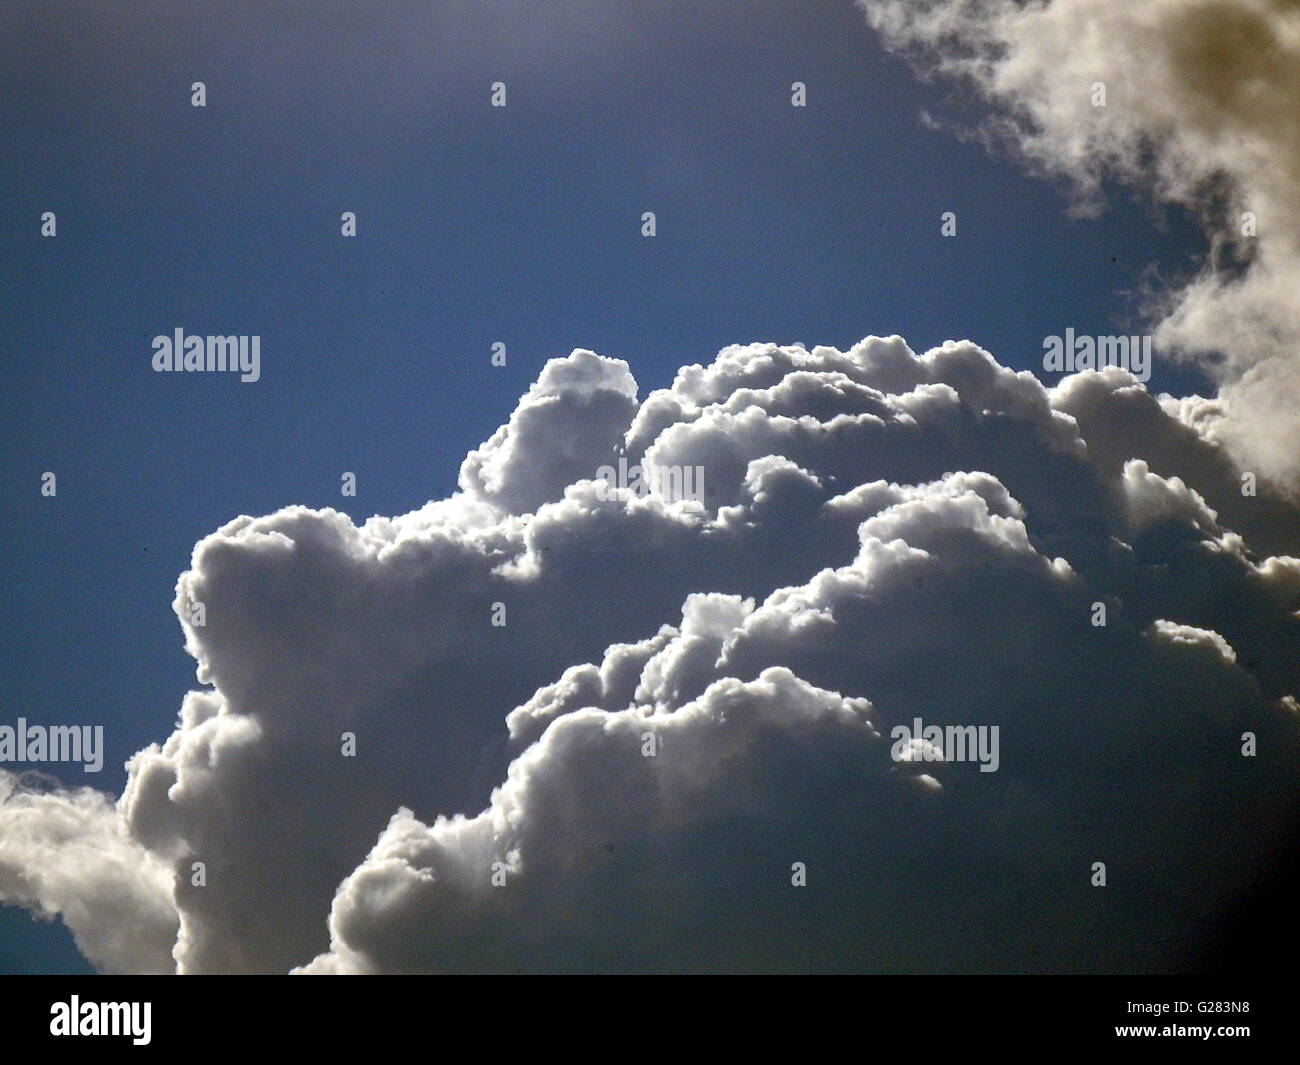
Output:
(69, 854)
(883, 536)
(1200, 105)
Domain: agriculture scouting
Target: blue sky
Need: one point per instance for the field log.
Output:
(476, 225)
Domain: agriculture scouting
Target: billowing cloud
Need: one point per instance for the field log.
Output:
(1199, 106)
(69, 853)
(692, 701)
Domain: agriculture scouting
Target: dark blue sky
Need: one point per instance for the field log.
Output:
(475, 225)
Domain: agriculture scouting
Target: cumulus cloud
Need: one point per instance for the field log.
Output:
(1200, 105)
(69, 854)
(690, 696)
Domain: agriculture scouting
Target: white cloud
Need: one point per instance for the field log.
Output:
(68, 853)
(884, 535)
(1201, 99)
